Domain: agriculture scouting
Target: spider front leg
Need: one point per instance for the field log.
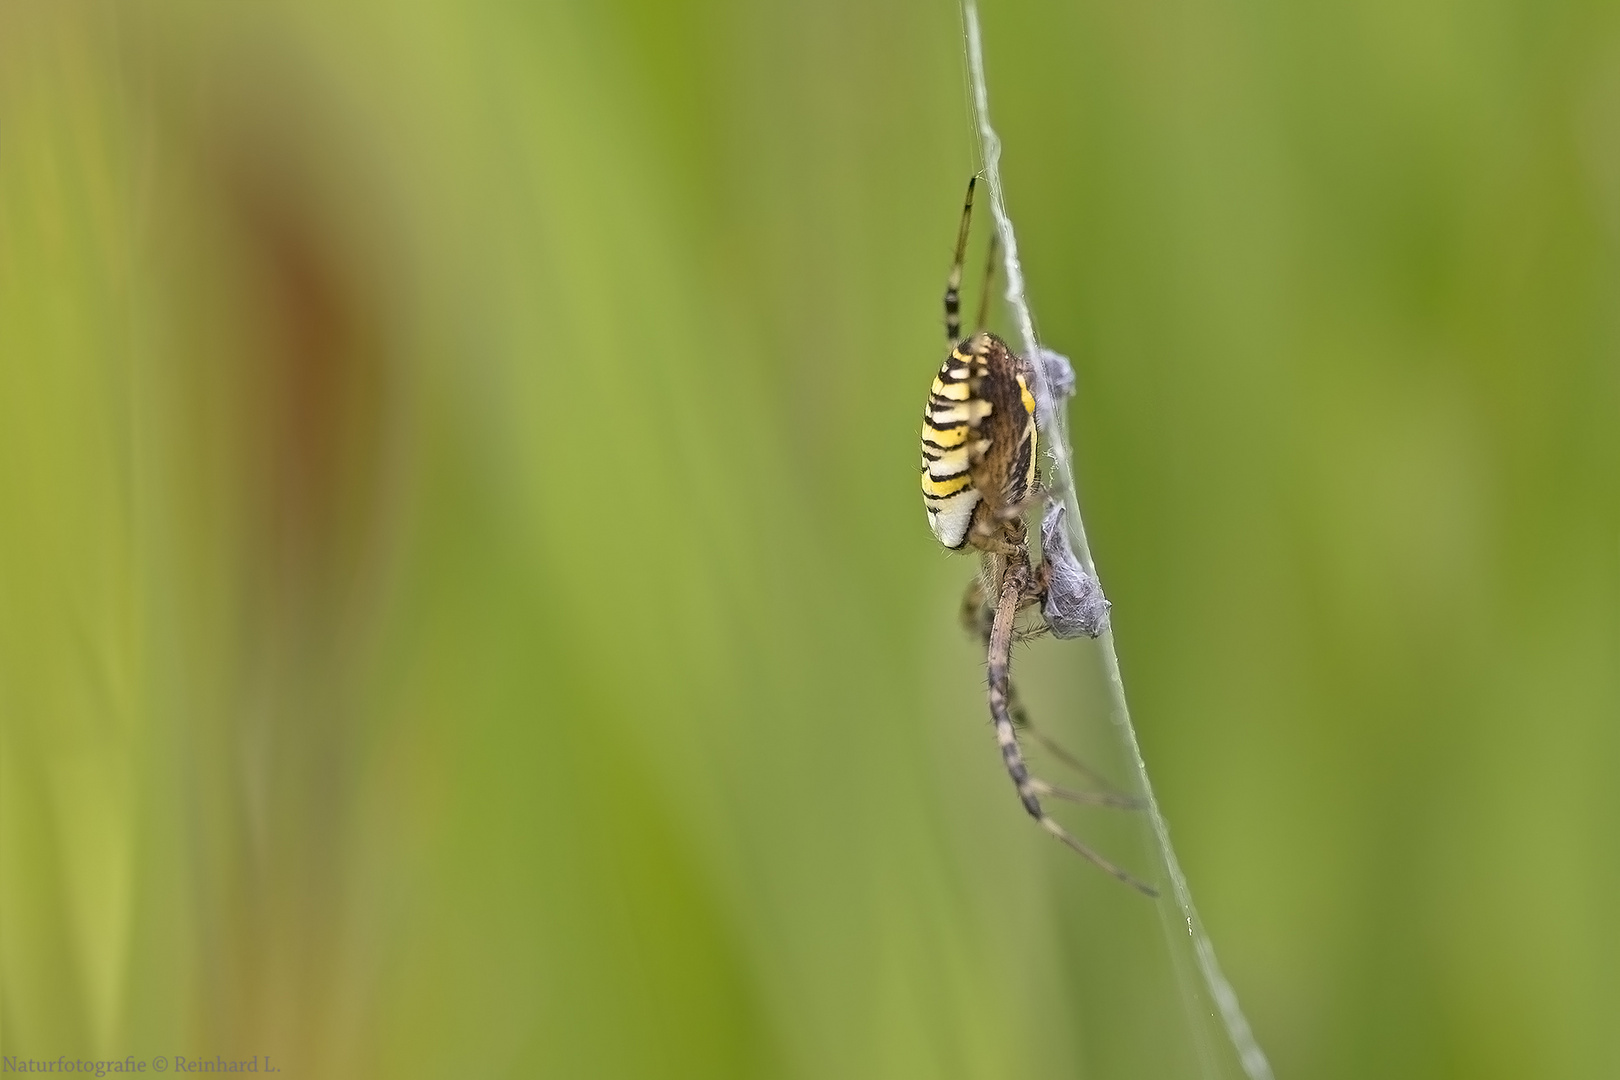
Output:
(1014, 586)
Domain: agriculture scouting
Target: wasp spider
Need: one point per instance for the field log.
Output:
(979, 469)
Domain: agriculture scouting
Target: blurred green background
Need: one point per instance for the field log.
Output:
(466, 608)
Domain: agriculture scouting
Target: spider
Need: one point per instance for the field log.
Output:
(979, 475)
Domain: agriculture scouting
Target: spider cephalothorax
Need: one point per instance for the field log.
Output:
(979, 474)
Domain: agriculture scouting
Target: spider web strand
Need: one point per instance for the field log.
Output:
(1238, 1032)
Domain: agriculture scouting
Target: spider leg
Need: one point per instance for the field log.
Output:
(953, 283)
(989, 276)
(1086, 798)
(1055, 748)
(976, 611)
(977, 615)
(1014, 583)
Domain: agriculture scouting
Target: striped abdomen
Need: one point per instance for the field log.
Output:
(978, 440)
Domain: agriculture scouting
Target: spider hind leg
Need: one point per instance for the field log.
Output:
(1015, 587)
(977, 615)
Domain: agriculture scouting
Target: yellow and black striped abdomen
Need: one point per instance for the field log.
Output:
(978, 440)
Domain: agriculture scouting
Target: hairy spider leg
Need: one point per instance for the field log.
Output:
(1014, 593)
(977, 615)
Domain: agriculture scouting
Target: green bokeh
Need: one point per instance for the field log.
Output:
(466, 609)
